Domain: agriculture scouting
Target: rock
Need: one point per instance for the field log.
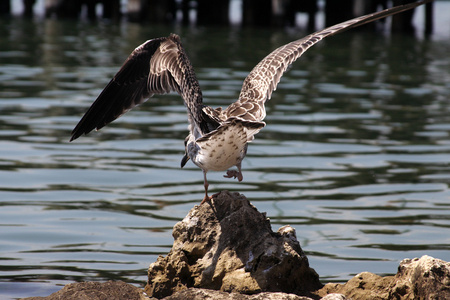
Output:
(363, 286)
(227, 245)
(424, 278)
(334, 296)
(226, 249)
(111, 290)
(205, 294)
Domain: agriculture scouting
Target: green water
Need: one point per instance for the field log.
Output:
(355, 155)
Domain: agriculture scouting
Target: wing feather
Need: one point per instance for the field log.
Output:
(157, 66)
(265, 76)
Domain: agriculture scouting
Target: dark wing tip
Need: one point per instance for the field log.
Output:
(79, 130)
(127, 89)
(83, 128)
(74, 136)
(157, 66)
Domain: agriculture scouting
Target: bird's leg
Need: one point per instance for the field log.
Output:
(206, 185)
(235, 174)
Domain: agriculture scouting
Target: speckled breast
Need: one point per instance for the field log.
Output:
(221, 150)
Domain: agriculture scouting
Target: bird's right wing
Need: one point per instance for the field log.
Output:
(157, 66)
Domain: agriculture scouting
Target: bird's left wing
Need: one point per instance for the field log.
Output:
(265, 76)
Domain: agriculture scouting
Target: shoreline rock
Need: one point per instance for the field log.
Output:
(111, 290)
(418, 278)
(226, 249)
(228, 245)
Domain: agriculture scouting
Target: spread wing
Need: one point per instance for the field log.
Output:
(157, 66)
(263, 79)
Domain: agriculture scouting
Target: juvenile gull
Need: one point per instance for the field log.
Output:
(218, 138)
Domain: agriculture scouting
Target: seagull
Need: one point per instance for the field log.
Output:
(218, 138)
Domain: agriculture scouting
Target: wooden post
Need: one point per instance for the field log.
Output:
(402, 23)
(338, 11)
(213, 12)
(185, 7)
(91, 13)
(28, 8)
(256, 12)
(63, 9)
(111, 9)
(5, 7)
(429, 18)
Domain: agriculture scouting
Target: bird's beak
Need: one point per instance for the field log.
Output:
(184, 160)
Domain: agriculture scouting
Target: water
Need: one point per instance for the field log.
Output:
(355, 154)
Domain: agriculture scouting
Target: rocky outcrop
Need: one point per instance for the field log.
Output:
(111, 290)
(424, 278)
(227, 245)
(226, 249)
(205, 294)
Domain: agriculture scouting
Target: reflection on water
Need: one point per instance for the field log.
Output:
(355, 155)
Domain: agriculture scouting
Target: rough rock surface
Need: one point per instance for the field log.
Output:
(424, 278)
(122, 291)
(111, 290)
(204, 294)
(227, 245)
(227, 250)
(363, 286)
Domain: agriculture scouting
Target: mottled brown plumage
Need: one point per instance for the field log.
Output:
(217, 139)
